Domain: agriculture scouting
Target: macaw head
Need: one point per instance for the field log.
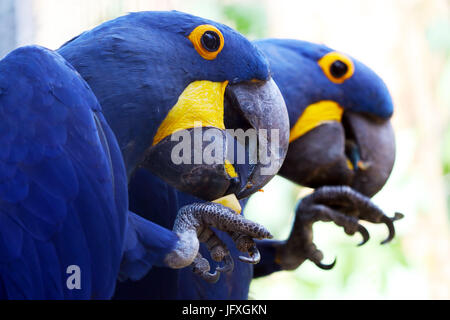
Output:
(170, 85)
(339, 113)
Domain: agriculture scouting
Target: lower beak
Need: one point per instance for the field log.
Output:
(255, 105)
(359, 151)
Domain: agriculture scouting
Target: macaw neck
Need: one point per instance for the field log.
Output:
(134, 133)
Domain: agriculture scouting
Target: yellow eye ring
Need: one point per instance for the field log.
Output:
(207, 40)
(337, 67)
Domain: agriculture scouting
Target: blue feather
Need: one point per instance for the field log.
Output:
(146, 245)
(58, 205)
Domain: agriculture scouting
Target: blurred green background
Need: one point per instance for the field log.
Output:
(407, 42)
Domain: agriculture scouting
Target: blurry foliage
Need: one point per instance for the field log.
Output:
(438, 35)
(249, 19)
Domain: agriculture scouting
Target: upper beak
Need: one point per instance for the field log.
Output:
(262, 107)
(375, 142)
(254, 105)
(358, 151)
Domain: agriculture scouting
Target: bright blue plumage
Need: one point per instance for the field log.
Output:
(62, 193)
(63, 187)
(146, 245)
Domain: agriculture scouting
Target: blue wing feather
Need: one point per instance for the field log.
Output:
(62, 184)
(146, 245)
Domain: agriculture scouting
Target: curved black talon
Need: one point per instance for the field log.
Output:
(325, 266)
(390, 224)
(210, 277)
(364, 233)
(228, 265)
(255, 256)
(398, 216)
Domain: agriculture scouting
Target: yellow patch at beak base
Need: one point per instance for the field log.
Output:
(229, 168)
(314, 115)
(201, 101)
(230, 201)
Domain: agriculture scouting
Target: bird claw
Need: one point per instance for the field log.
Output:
(228, 265)
(389, 222)
(210, 277)
(325, 266)
(365, 235)
(255, 255)
(246, 244)
(201, 267)
(340, 204)
(354, 205)
(198, 218)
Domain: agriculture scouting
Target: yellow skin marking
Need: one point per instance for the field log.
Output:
(196, 36)
(314, 115)
(350, 165)
(230, 201)
(200, 102)
(230, 169)
(327, 60)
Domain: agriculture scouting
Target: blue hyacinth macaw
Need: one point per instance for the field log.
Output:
(341, 144)
(339, 113)
(156, 74)
(64, 173)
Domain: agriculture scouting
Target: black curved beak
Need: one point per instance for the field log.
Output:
(373, 152)
(254, 109)
(359, 151)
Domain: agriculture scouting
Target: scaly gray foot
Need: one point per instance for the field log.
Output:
(193, 225)
(340, 204)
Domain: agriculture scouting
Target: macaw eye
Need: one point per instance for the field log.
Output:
(210, 41)
(207, 40)
(337, 67)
